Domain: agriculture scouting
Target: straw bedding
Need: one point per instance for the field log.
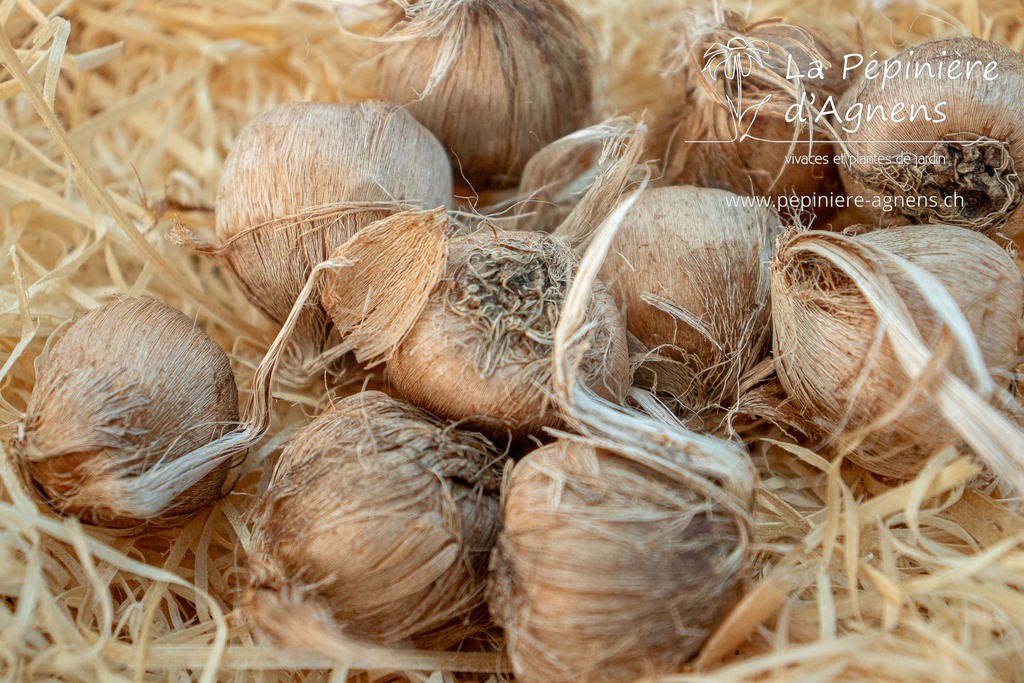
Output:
(116, 120)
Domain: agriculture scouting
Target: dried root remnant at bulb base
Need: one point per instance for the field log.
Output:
(481, 349)
(383, 517)
(121, 406)
(969, 183)
(981, 172)
(606, 571)
(511, 295)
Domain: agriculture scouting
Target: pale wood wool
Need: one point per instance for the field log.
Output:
(116, 119)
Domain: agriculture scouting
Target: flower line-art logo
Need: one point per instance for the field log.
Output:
(735, 60)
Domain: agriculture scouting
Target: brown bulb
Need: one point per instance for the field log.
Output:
(481, 348)
(494, 80)
(689, 266)
(716, 95)
(839, 366)
(607, 571)
(303, 178)
(121, 408)
(937, 149)
(381, 517)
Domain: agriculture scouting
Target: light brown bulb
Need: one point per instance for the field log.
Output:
(934, 149)
(303, 178)
(121, 407)
(481, 348)
(839, 368)
(494, 80)
(607, 571)
(689, 267)
(382, 517)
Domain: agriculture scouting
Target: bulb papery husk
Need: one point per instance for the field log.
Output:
(300, 180)
(374, 287)
(125, 418)
(619, 171)
(557, 177)
(726, 125)
(390, 269)
(909, 170)
(494, 80)
(380, 517)
(481, 349)
(689, 267)
(900, 342)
